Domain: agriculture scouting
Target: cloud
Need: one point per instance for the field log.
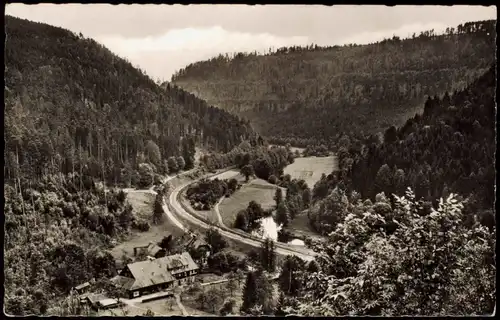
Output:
(160, 56)
(163, 38)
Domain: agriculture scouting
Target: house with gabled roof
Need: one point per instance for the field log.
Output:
(152, 250)
(150, 276)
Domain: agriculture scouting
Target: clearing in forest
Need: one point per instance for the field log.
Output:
(234, 173)
(311, 168)
(258, 190)
(142, 203)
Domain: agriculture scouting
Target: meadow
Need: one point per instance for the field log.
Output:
(257, 190)
(311, 168)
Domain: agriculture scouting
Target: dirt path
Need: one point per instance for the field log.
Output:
(303, 253)
(180, 305)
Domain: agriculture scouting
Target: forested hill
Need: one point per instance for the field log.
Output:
(450, 148)
(316, 93)
(72, 105)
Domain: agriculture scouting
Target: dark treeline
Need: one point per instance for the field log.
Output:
(450, 148)
(204, 194)
(73, 106)
(265, 162)
(312, 94)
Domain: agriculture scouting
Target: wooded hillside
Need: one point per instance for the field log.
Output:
(420, 239)
(450, 148)
(310, 95)
(71, 105)
(76, 113)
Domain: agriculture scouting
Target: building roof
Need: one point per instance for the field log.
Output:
(82, 286)
(93, 298)
(149, 273)
(200, 242)
(107, 302)
(158, 271)
(183, 262)
(153, 249)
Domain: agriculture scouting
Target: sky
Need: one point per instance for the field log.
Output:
(162, 39)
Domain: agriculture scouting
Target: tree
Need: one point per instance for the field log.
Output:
(166, 243)
(102, 263)
(228, 307)
(264, 293)
(384, 179)
(272, 179)
(158, 212)
(454, 275)
(188, 152)
(268, 255)
(306, 197)
(255, 311)
(224, 261)
(241, 221)
(240, 275)
(250, 288)
(215, 297)
(146, 174)
(390, 135)
(399, 181)
(111, 290)
(422, 188)
(312, 267)
(173, 166)
(282, 216)
(278, 196)
(232, 284)
(289, 279)
(180, 163)
(215, 240)
(202, 300)
(327, 213)
(281, 305)
(232, 185)
(69, 258)
(71, 306)
(149, 313)
(153, 153)
(247, 171)
(195, 288)
(125, 218)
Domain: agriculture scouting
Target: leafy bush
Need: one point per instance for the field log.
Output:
(141, 225)
(365, 271)
(272, 179)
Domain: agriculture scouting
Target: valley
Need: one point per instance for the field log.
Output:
(303, 180)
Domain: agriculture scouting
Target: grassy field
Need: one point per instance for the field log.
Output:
(257, 189)
(230, 174)
(160, 307)
(210, 215)
(193, 308)
(311, 168)
(142, 203)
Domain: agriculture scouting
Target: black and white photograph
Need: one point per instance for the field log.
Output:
(249, 160)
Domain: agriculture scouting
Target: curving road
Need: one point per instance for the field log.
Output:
(179, 211)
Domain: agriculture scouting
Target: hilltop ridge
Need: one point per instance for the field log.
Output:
(72, 105)
(312, 94)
